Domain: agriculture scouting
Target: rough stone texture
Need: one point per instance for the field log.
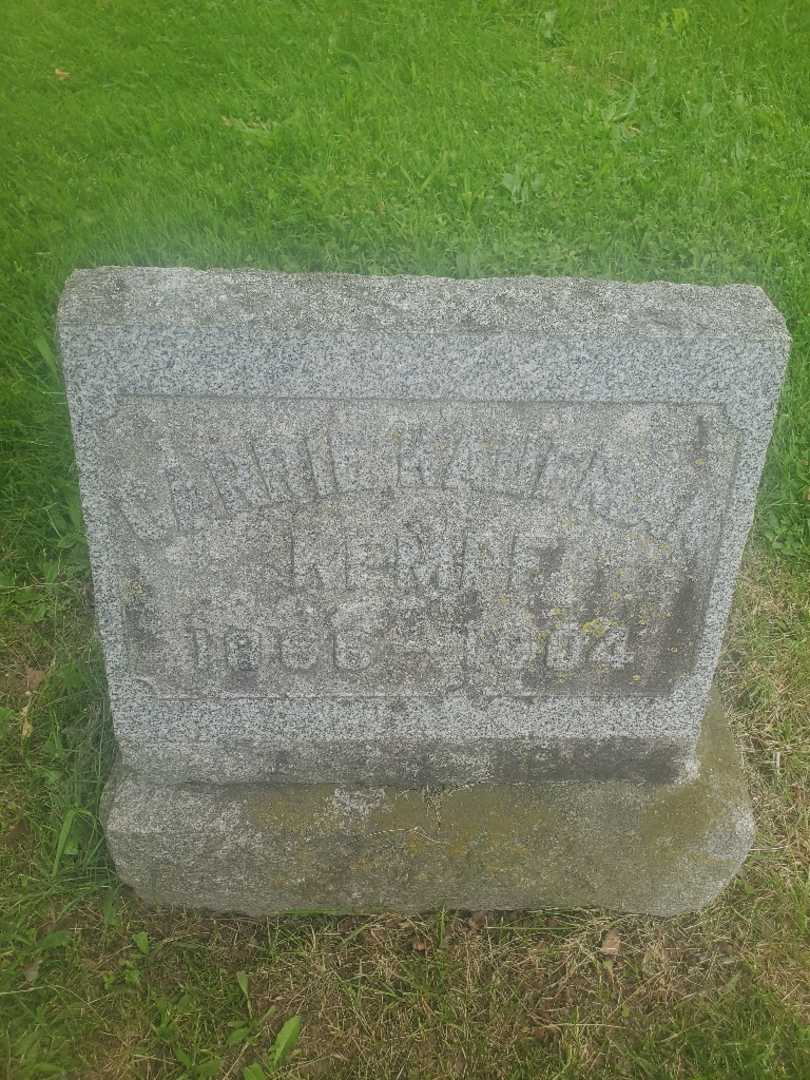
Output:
(410, 532)
(262, 849)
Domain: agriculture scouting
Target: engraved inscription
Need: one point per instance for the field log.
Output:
(328, 548)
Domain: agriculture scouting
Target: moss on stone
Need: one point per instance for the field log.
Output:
(641, 847)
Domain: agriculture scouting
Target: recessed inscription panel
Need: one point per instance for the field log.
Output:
(385, 549)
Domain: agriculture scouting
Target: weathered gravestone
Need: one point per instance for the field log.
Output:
(411, 590)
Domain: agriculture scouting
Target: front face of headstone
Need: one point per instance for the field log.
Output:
(378, 549)
(414, 531)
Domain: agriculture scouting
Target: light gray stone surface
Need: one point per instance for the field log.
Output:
(413, 531)
(263, 849)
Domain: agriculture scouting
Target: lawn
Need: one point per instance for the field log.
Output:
(609, 138)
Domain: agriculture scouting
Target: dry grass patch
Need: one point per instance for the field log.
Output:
(110, 988)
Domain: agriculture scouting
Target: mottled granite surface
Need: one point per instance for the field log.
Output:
(411, 530)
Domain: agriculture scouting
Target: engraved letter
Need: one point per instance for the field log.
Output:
(611, 648)
(241, 650)
(301, 634)
(200, 645)
(189, 501)
(358, 629)
(319, 559)
(424, 456)
(566, 646)
(424, 560)
(237, 479)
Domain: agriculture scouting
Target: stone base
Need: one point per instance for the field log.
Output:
(261, 850)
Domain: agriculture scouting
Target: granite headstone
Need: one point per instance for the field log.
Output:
(366, 544)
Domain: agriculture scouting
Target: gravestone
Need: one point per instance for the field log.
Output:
(411, 590)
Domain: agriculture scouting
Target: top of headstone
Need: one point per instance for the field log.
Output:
(120, 296)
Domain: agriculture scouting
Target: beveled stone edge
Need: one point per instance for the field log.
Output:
(151, 295)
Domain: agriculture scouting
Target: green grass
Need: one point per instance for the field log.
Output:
(620, 139)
